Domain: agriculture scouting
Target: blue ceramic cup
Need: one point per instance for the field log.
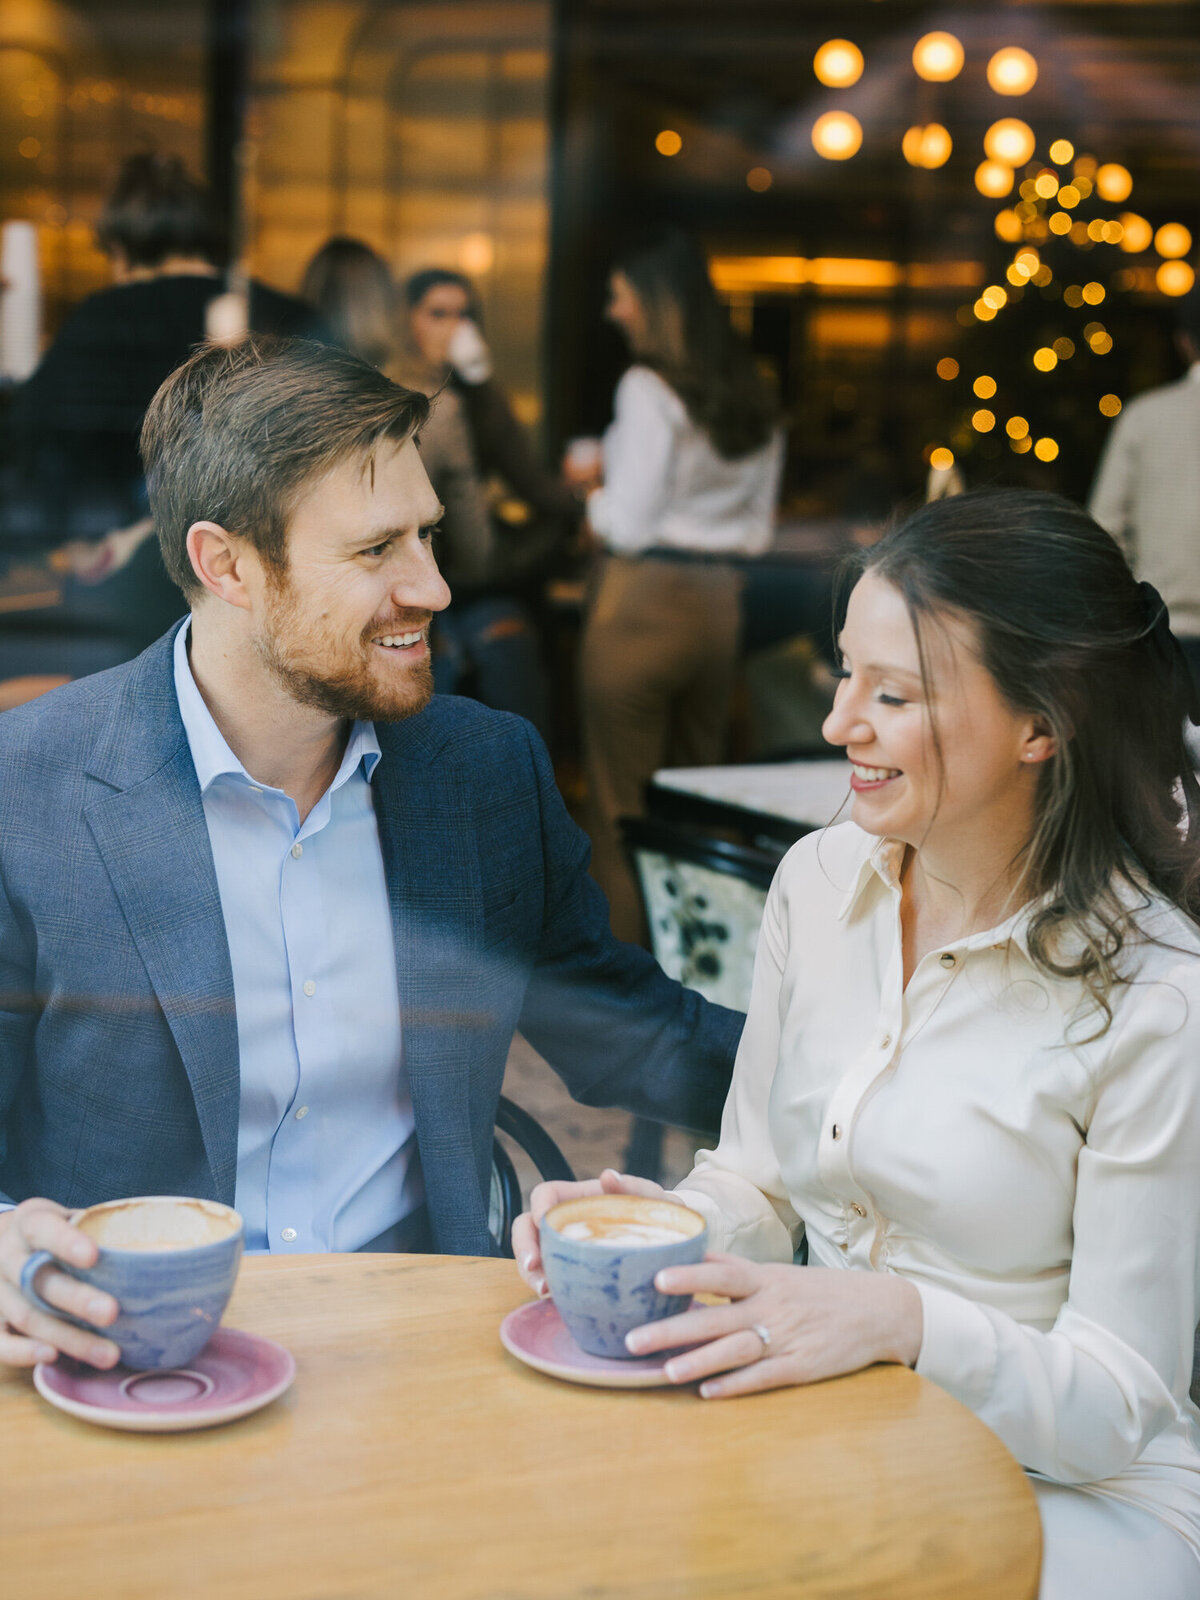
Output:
(169, 1262)
(600, 1255)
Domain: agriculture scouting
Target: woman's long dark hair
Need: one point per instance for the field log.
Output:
(1070, 637)
(691, 345)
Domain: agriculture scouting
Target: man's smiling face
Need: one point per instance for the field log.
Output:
(345, 628)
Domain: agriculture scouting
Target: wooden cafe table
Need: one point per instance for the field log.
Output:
(413, 1457)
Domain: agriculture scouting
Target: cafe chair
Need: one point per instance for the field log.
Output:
(703, 898)
(506, 1201)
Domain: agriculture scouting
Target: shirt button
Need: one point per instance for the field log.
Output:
(946, 959)
(842, 1245)
(288, 1235)
(298, 851)
(857, 1209)
(836, 1130)
(885, 1041)
(301, 1113)
(310, 987)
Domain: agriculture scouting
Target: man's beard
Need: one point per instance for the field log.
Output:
(350, 692)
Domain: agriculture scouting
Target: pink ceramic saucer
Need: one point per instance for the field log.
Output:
(234, 1374)
(537, 1335)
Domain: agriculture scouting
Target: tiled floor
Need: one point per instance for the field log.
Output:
(590, 1139)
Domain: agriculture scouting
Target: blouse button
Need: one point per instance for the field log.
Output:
(885, 1042)
(857, 1209)
(837, 1130)
(946, 959)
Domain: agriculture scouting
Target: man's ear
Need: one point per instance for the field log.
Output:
(218, 559)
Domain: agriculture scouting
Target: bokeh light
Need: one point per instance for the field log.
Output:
(477, 254)
(1174, 278)
(947, 368)
(1046, 449)
(838, 63)
(1061, 151)
(993, 179)
(668, 143)
(1172, 240)
(759, 179)
(984, 387)
(1063, 348)
(1113, 231)
(1010, 140)
(1113, 181)
(1008, 223)
(983, 421)
(1110, 406)
(1069, 196)
(937, 57)
(1045, 360)
(1073, 296)
(1095, 229)
(1016, 428)
(984, 311)
(1101, 343)
(837, 136)
(1059, 222)
(1012, 71)
(995, 296)
(1138, 233)
(1093, 294)
(941, 459)
(1045, 185)
(928, 147)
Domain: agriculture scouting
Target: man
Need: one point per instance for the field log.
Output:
(1147, 490)
(268, 913)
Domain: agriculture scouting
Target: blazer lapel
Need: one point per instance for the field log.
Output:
(433, 877)
(150, 830)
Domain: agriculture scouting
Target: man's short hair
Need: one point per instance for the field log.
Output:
(157, 210)
(235, 434)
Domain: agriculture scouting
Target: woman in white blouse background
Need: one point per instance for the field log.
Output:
(971, 1067)
(691, 472)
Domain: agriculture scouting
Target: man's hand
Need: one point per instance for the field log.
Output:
(525, 1243)
(27, 1335)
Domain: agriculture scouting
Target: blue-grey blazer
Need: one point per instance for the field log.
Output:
(118, 1035)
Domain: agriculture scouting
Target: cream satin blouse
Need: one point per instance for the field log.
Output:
(1041, 1191)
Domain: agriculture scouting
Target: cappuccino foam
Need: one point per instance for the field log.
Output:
(156, 1225)
(635, 1233)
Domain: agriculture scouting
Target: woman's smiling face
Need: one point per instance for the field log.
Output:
(885, 716)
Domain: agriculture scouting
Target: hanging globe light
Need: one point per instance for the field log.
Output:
(1010, 141)
(928, 147)
(838, 63)
(937, 57)
(1113, 182)
(837, 136)
(1012, 71)
(993, 179)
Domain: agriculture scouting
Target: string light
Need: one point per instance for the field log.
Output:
(928, 147)
(838, 63)
(1113, 182)
(1045, 360)
(1010, 140)
(1012, 71)
(1172, 240)
(947, 368)
(983, 421)
(1016, 428)
(1045, 185)
(1093, 294)
(1059, 223)
(937, 57)
(1046, 449)
(984, 388)
(668, 143)
(1110, 406)
(1061, 151)
(837, 136)
(1069, 196)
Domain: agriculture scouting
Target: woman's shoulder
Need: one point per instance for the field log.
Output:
(641, 387)
(826, 865)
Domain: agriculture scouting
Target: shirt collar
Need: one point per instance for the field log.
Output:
(884, 864)
(211, 754)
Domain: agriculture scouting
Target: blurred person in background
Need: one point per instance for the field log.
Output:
(691, 470)
(488, 639)
(73, 479)
(353, 289)
(1147, 489)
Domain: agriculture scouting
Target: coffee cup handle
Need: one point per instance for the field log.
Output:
(34, 1264)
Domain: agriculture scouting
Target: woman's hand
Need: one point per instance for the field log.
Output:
(819, 1322)
(525, 1242)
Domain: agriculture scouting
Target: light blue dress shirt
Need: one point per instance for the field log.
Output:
(326, 1147)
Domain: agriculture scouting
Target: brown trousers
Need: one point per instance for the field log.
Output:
(659, 653)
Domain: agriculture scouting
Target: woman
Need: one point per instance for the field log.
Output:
(353, 290)
(488, 635)
(691, 472)
(971, 1067)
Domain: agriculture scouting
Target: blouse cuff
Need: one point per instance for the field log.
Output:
(959, 1348)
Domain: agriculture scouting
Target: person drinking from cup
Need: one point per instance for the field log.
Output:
(968, 1080)
(270, 911)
